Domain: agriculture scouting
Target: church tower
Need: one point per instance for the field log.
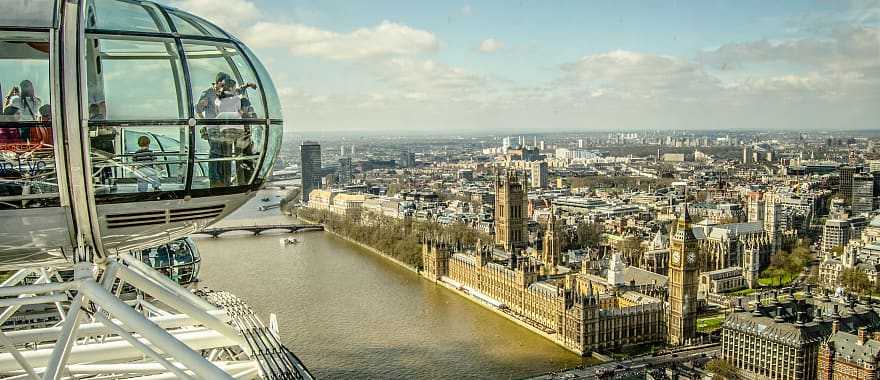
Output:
(683, 280)
(552, 246)
(511, 232)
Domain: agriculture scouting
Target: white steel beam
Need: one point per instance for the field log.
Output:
(170, 299)
(166, 282)
(99, 316)
(65, 340)
(156, 335)
(118, 350)
(46, 334)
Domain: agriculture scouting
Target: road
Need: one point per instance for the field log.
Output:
(679, 356)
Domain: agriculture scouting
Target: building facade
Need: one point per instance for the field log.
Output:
(846, 356)
(684, 267)
(567, 309)
(511, 219)
(310, 164)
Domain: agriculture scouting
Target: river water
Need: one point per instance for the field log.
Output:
(349, 314)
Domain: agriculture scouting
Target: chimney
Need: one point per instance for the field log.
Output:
(835, 325)
(863, 336)
(778, 317)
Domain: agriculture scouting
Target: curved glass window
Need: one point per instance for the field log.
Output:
(190, 25)
(179, 260)
(227, 155)
(27, 156)
(272, 148)
(273, 101)
(145, 84)
(134, 79)
(224, 86)
(128, 159)
(124, 15)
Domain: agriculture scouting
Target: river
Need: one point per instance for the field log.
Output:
(349, 314)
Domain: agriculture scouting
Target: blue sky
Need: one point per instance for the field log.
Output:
(564, 65)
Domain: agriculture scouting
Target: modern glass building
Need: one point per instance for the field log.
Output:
(124, 125)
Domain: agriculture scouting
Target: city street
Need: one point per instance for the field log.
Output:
(646, 360)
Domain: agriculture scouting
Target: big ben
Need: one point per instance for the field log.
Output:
(683, 280)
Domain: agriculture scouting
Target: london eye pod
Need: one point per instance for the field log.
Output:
(125, 124)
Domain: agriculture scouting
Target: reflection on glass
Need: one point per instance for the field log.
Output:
(27, 160)
(157, 92)
(179, 260)
(189, 25)
(274, 145)
(138, 159)
(123, 15)
(274, 102)
(223, 83)
(227, 155)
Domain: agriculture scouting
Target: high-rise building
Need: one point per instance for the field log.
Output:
(683, 282)
(862, 194)
(511, 227)
(846, 181)
(310, 163)
(539, 175)
(836, 233)
(747, 155)
(580, 143)
(407, 159)
(345, 171)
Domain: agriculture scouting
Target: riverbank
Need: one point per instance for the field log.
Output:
(453, 288)
(364, 246)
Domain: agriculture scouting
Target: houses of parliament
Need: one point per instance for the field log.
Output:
(582, 310)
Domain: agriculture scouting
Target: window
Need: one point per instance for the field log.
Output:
(138, 159)
(126, 15)
(224, 86)
(27, 157)
(190, 25)
(157, 93)
(227, 155)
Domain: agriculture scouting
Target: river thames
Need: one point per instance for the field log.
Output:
(348, 313)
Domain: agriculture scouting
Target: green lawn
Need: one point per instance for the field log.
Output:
(710, 324)
(787, 278)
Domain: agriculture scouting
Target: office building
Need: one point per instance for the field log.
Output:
(310, 163)
(345, 172)
(539, 175)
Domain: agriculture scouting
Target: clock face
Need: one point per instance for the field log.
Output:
(692, 257)
(676, 257)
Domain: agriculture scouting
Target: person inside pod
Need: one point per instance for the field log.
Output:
(223, 100)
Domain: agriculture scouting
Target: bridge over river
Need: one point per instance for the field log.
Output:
(259, 229)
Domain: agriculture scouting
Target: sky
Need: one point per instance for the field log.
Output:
(544, 66)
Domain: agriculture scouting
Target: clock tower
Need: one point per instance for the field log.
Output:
(683, 281)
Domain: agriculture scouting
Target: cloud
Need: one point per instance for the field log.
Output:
(386, 39)
(244, 19)
(490, 45)
(632, 74)
(843, 47)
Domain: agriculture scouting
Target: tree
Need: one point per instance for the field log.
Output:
(722, 369)
(588, 235)
(854, 280)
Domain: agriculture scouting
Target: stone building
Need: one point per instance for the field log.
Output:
(847, 356)
(511, 212)
(656, 256)
(568, 309)
(781, 336)
(684, 269)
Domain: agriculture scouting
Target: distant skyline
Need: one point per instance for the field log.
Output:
(548, 66)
